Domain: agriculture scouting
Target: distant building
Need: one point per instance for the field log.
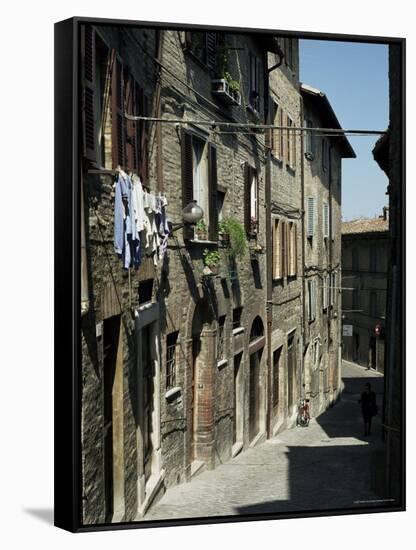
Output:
(322, 161)
(365, 246)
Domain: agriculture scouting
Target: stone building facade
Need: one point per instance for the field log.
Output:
(183, 369)
(323, 154)
(365, 246)
(389, 153)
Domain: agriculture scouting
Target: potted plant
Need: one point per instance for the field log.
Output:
(223, 233)
(201, 230)
(211, 261)
(236, 237)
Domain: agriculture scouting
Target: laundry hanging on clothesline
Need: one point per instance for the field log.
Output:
(140, 222)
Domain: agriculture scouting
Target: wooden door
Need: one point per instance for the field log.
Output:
(254, 394)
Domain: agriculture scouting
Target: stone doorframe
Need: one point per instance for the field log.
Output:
(146, 491)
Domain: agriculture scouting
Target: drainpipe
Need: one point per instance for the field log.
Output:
(269, 289)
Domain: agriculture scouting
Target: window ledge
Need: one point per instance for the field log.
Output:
(222, 363)
(173, 393)
(238, 330)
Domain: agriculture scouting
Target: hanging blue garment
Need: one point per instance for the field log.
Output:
(119, 239)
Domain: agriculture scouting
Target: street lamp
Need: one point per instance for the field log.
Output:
(191, 215)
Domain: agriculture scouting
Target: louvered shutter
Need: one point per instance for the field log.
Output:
(325, 220)
(247, 197)
(283, 247)
(274, 255)
(212, 189)
(117, 114)
(211, 49)
(88, 92)
(311, 216)
(333, 224)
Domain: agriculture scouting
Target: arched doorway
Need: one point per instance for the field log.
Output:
(256, 345)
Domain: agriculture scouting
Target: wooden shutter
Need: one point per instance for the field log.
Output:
(88, 92)
(247, 196)
(142, 105)
(311, 216)
(211, 49)
(130, 125)
(281, 136)
(277, 260)
(283, 248)
(213, 191)
(117, 114)
(295, 249)
(333, 224)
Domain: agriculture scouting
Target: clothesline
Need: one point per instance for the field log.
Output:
(140, 221)
(215, 123)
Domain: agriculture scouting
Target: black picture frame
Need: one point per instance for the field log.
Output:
(68, 383)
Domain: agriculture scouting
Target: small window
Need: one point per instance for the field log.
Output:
(311, 299)
(251, 200)
(257, 329)
(145, 291)
(254, 82)
(171, 343)
(333, 287)
(221, 339)
(325, 292)
(203, 45)
(237, 311)
(309, 142)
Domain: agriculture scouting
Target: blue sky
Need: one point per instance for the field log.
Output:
(354, 76)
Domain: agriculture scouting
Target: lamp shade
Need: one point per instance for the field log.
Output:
(192, 213)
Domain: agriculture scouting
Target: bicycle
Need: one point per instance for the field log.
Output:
(303, 417)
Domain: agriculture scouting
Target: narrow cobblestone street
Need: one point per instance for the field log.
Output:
(324, 466)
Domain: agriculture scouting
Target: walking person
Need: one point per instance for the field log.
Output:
(368, 407)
